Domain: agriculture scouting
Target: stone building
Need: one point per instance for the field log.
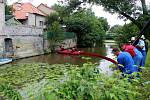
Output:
(29, 15)
(19, 40)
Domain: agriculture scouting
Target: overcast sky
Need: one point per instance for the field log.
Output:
(112, 19)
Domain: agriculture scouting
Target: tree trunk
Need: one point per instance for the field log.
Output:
(145, 12)
(132, 20)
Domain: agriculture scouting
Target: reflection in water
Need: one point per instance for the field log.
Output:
(104, 64)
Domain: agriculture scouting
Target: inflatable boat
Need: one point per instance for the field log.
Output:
(70, 52)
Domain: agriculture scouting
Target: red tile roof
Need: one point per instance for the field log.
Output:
(21, 10)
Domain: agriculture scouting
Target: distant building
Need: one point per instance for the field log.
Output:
(29, 15)
(45, 9)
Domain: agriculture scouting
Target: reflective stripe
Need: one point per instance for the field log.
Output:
(135, 66)
(121, 65)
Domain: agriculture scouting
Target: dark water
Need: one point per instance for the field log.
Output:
(62, 58)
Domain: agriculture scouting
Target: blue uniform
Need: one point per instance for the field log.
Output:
(138, 57)
(143, 51)
(126, 63)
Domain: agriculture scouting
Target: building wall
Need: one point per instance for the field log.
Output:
(27, 41)
(31, 20)
(45, 10)
(2, 16)
(69, 43)
(35, 20)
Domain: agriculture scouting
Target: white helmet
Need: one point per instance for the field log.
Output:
(143, 37)
(132, 38)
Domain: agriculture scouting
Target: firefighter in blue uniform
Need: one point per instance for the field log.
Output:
(138, 57)
(142, 49)
(125, 61)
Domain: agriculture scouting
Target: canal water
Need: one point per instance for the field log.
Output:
(105, 50)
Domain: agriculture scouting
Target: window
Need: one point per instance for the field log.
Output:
(41, 23)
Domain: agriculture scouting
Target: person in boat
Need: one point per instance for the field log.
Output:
(142, 48)
(62, 48)
(125, 61)
(74, 49)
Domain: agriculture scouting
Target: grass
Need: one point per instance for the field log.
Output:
(145, 88)
(146, 71)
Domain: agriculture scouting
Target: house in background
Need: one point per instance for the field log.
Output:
(29, 15)
(45, 9)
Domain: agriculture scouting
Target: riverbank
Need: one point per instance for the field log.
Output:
(145, 89)
(60, 81)
(30, 80)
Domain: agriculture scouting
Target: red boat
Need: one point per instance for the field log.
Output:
(70, 52)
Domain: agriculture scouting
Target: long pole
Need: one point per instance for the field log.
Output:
(141, 33)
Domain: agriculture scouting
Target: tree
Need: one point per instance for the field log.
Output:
(115, 28)
(55, 35)
(87, 26)
(104, 23)
(53, 17)
(8, 10)
(63, 11)
(135, 10)
(124, 33)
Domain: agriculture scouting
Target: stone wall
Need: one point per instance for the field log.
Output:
(69, 43)
(27, 41)
(2, 16)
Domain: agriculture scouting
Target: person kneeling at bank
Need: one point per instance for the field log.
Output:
(125, 61)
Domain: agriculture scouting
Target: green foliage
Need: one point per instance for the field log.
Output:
(8, 10)
(55, 35)
(124, 33)
(9, 92)
(20, 74)
(144, 89)
(115, 28)
(63, 11)
(104, 23)
(29, 79)
(137, 13)
(66, 81)
(87, 83)
(88, 28)
(51, 19)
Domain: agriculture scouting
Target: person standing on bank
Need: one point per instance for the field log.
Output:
(125, 61)
(141, 47)
(138, 55)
